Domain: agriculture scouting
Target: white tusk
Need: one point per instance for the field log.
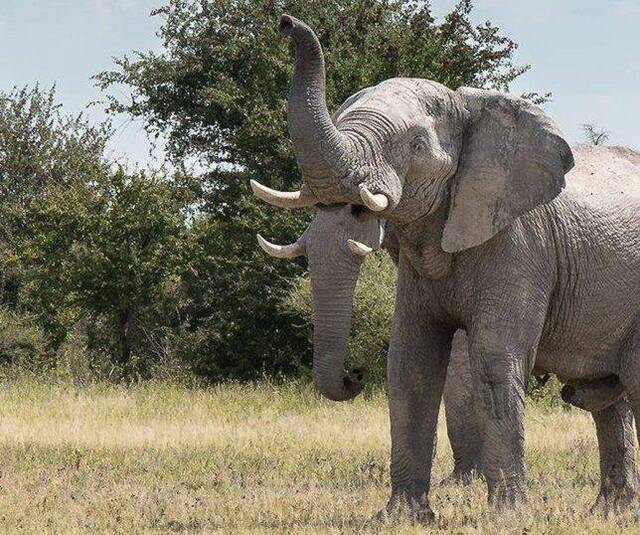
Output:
(376, 202)
(359, 248)
(284, 199)
(280, 251)
(383, 231)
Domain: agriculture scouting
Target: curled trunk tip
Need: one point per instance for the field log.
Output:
(352, 384)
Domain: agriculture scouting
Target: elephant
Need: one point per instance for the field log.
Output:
(504, 231)
(603, 398)
(333, 254)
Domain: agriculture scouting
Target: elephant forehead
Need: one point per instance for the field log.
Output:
(328, 222)
(397, 106)
(392, 105)
(386, 96)
(337, 224)
(407, 95)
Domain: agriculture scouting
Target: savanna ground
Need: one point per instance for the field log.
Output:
(158, 458)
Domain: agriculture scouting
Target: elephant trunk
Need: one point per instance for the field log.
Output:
(333, 305)
(321, 149)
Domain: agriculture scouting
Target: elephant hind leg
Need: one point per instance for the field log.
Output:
(463, 424)
(629, 374)
(619, 478)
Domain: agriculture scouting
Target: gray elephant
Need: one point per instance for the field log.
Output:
(603, 398)
(542, 277)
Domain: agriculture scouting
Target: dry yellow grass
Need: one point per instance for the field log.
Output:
(254, 459)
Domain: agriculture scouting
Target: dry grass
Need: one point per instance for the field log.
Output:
(240, 459)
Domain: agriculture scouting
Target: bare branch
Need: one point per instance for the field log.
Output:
(595, 135)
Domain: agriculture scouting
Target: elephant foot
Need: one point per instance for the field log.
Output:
(614, 499)
(461, 476)
(402, 507)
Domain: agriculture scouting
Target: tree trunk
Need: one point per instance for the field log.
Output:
(124, 335)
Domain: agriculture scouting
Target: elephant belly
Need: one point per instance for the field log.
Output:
(568, 365)
(584, 337)
(587, 347)
(594, 307)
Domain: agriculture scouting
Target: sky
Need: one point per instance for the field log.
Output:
(586, 52)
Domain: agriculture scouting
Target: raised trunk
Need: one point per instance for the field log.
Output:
(333, 305)
(321, 150)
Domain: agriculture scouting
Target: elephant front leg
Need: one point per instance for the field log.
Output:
(500, 386)
(416, 373)
(618, 468)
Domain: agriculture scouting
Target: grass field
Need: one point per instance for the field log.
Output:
(254, 459)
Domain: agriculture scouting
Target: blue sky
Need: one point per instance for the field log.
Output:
(586, 52)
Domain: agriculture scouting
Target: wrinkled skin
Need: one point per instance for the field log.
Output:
(504, 231)
(602, 397)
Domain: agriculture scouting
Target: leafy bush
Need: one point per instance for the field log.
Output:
(545, 391)
(22, 341)
(76, 363)
(83, 241)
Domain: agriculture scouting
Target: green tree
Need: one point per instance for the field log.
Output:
(105, 249)
(82, 240)
(39, 147)
(217, 92)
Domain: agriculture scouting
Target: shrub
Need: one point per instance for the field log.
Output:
(22, 341)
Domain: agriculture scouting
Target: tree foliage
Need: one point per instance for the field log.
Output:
(82, 240)
(217, 92)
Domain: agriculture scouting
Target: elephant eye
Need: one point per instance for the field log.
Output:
(358, 209)
(419, 143)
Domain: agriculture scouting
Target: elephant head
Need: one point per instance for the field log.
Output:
(402, 150)
(334, 244)
(406, 147)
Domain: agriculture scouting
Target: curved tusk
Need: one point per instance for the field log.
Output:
(359, 248)
(284, 199)
(280, 251)
(376, 202)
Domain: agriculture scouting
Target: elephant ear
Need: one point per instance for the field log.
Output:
(514, 159)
